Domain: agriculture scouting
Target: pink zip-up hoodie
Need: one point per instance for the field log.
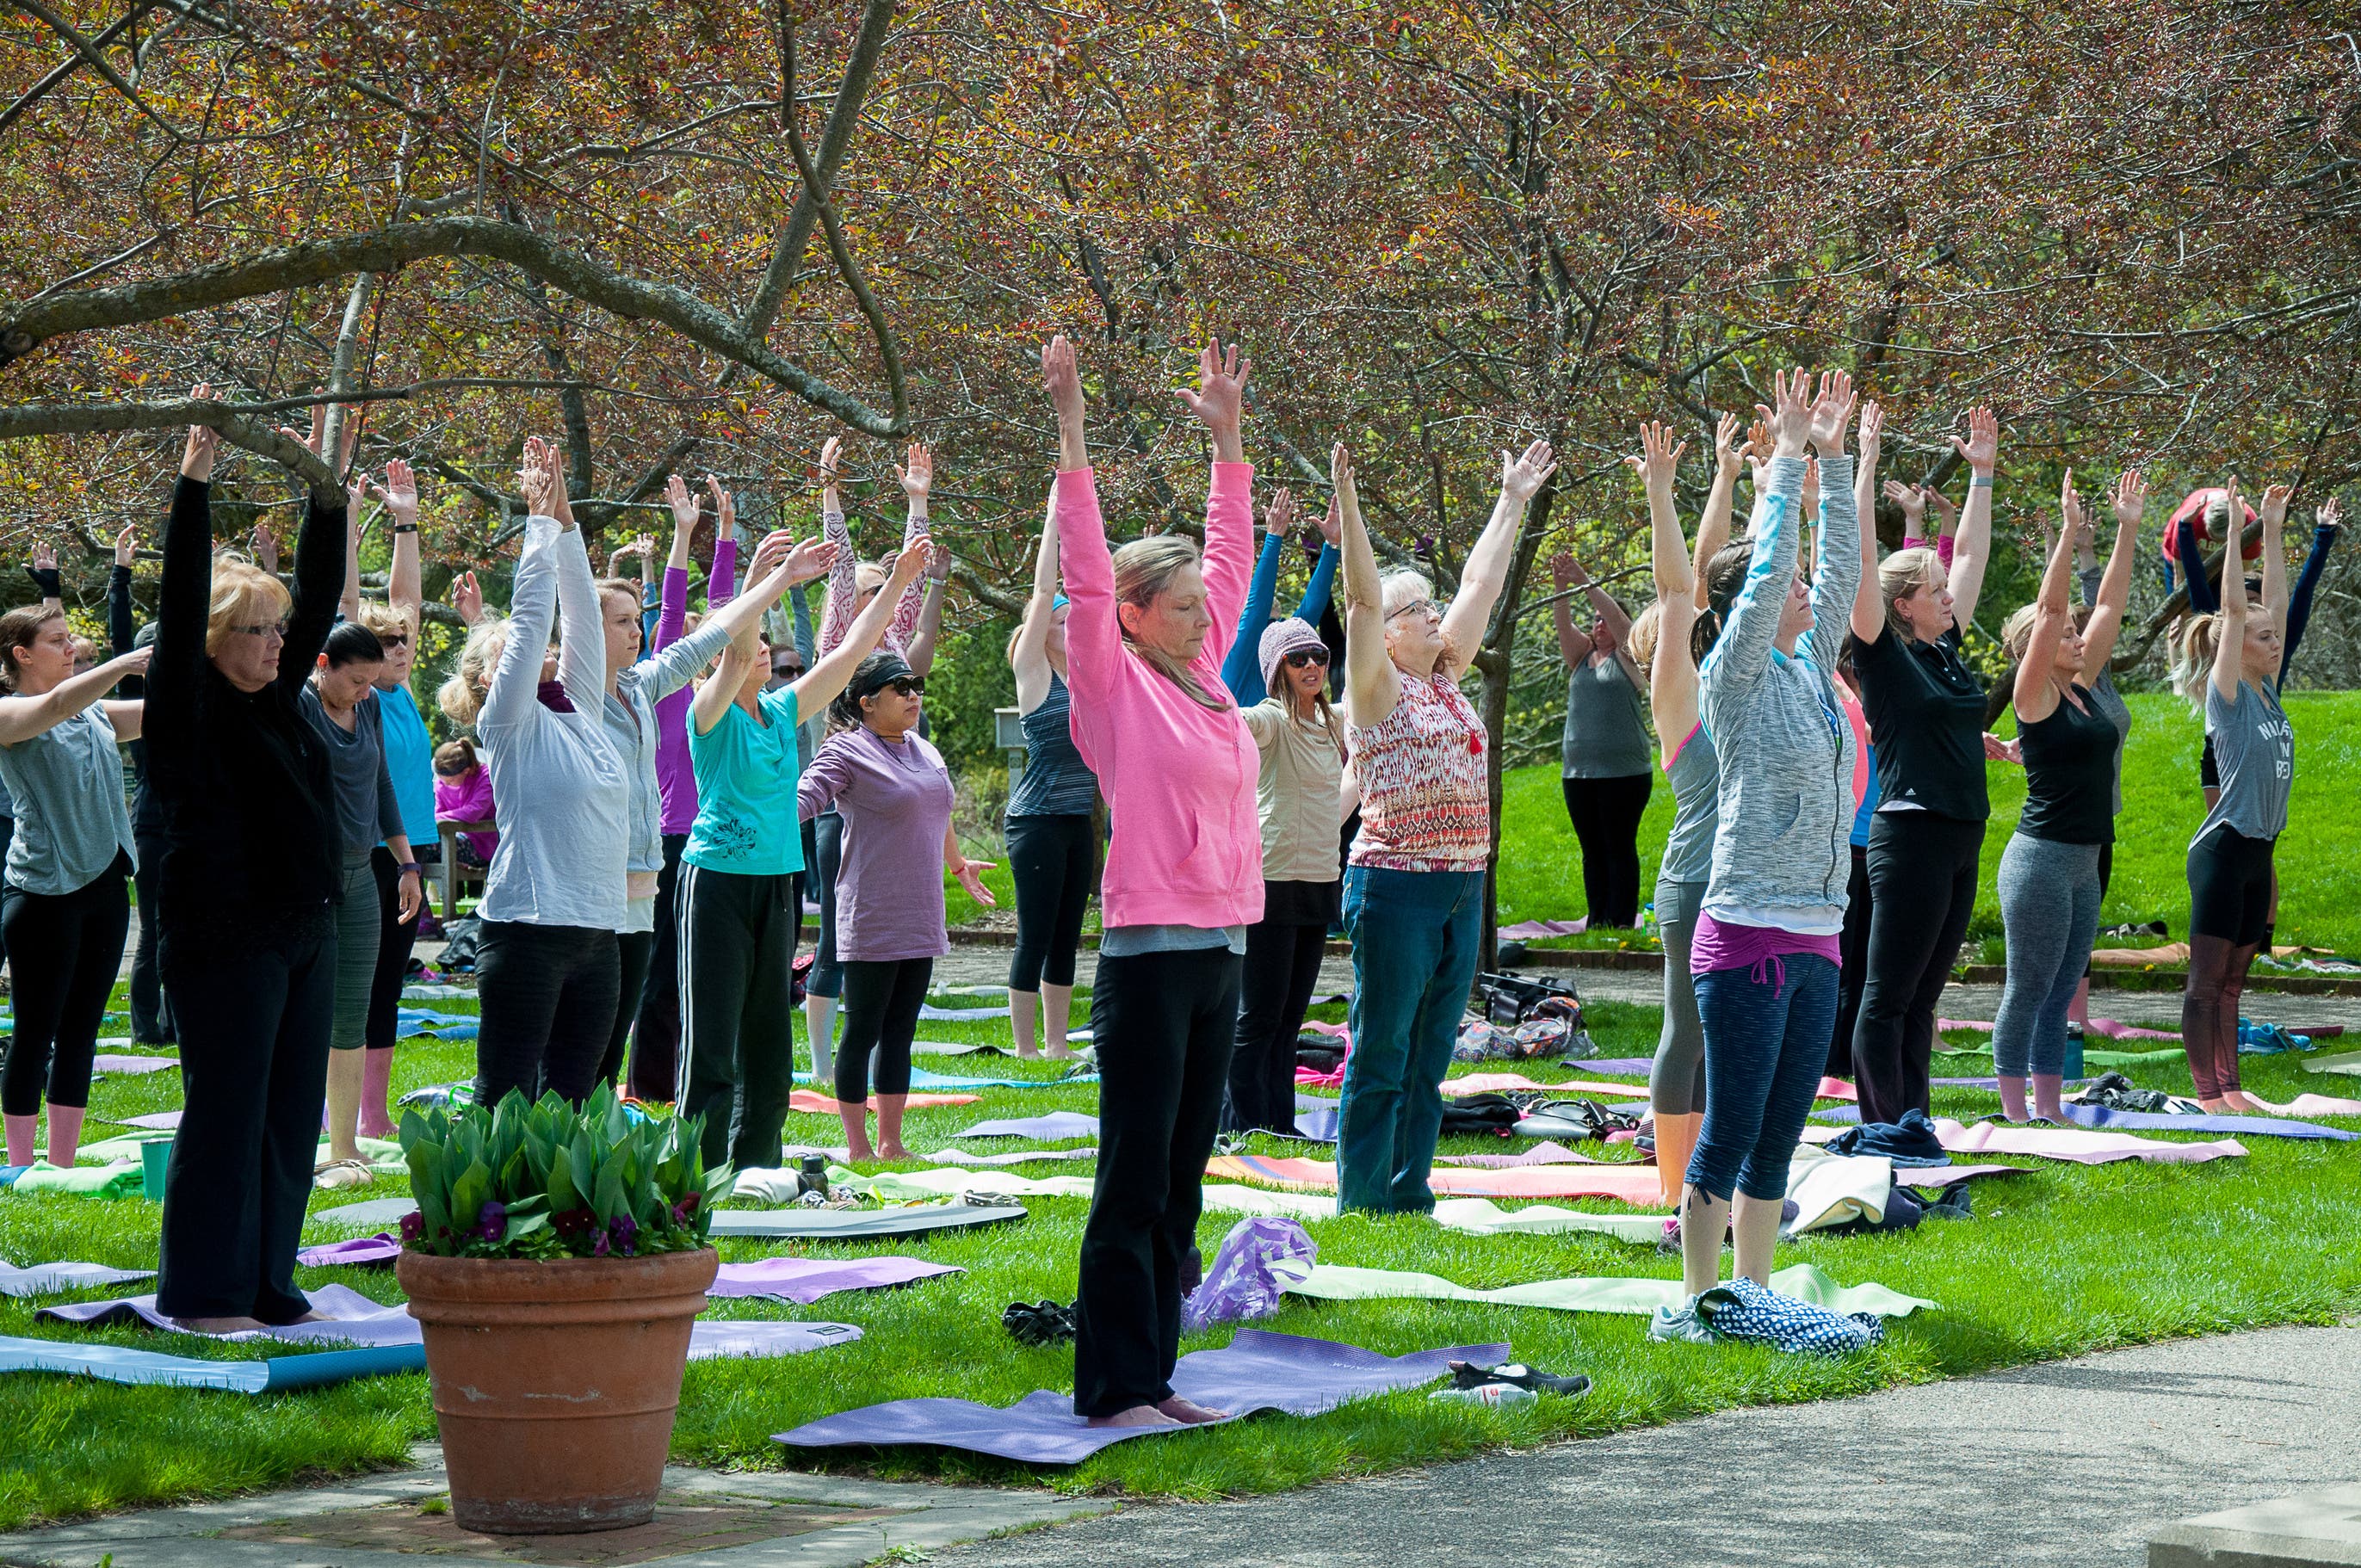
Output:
(1178, 777)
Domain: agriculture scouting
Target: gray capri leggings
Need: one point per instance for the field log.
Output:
(2049, 914)
(1676, 1080)
(359, 924)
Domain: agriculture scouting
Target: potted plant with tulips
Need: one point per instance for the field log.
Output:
(555, 1263)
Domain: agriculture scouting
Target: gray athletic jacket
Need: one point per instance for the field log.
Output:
(1782, 852)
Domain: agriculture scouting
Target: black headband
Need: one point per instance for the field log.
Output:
(877, 674)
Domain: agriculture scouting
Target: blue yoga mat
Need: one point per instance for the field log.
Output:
(1256, 1371)
(121, 1363)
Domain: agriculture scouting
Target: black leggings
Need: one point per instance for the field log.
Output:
(1922, 877)
(1852, 974)
(737, 1011)
(635, 952)
(1051, 859)
(1160, 1106)
(1606, 814)
(152, 1015)
(655, 1037)
(827, 976)
(393, 943)
(1282, 965)
(882, 1000)
(65, 949)
(548, 999)
(2229, 910)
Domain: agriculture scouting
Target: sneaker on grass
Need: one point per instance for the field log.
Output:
(1681, 1323)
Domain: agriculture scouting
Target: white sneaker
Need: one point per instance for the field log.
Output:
(1680, 1322)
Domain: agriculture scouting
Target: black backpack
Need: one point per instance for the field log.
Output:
(1486, 1115)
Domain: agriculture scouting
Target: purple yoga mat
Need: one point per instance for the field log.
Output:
(1056, 1125)
(353, 1319)
(1256, 1371)
(1613, 1067)
(133, 1064)
(804, 1280)
(359, 1253)
(2270, 1126)
(161, 1121)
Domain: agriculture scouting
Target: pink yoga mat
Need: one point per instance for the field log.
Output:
(2311, 1105)
(2064, 1143)
(2112, 1028)
(1490, 1082)
(1540, 1154)
(1526, 930)
(1633, 1184)
(821, 1105)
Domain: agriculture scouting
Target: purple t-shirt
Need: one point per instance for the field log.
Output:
(895, 797)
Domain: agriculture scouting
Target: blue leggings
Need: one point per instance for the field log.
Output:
(1766, 1039)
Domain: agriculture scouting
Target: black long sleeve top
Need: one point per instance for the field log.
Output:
(249, 835)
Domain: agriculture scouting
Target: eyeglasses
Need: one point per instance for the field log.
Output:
(1419, 606)
(266, 629)
(1304, 658)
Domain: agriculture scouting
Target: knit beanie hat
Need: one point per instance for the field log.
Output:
(1281, 638)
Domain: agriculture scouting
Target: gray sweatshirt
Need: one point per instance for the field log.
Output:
(1782, 852)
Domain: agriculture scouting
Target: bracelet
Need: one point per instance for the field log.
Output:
(405, 528)
(1980, 482)
(410, 867)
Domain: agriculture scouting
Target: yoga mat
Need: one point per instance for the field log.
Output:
(952, 1048)
(1020, 1156)
(373, 1212)
(355, 1319)
(46, 1278)
(1613, 1067)
(1056, 1125)
(120, 1364)
(2311, 1105)
(1802, 1282)
(2348, 1062)
(2108, 1029)
(2268, 1126)
(363, 1252)
(1633, 1184)
(921, 1079)
(1492, 1083)
(1540, 1154)
(85, 1181)
(1527, 930)
(133, 1065)
(858, 1224)
(2063, 1143)
(961, 1014)
(2094, 1057)
(155, 1121)
(412, 1022)
(804, 1280)
(437, 992)
(1481, 1216)
(1306, 1078)
(1836, 1189)
(1256, 1371)
(1318, 1125)
(903, 1185)
(804, 1099)
(1226, 1198)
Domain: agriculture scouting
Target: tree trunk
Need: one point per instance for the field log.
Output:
(1494, 662)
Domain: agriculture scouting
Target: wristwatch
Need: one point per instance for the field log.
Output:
(411, 867)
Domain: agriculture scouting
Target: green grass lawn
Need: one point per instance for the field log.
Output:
(2062, 1260)
(2319, 858)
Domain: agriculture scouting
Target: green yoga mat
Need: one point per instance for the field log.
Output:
(1803, 1282)
(90, 1181)
(2095, 1057)
(1481, 1216)
(2349, 1063)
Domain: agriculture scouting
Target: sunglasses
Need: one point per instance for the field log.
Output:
(394, 639)
(908, 685)
(266, 629)
(1304, 658)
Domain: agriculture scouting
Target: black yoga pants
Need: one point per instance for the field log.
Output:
(1281, 965)
(151, 1019)
(394, 939)
(1606, 814)
(882, 999)
(1922, 878)
(737, 1011)
(2229, 886)
(64, 951)
(1165, 1023)
(655, 1037)
(1852, 973)
(635, 951)
(547, 995)
(827, 977)
(1051, 859)
(254, 1071)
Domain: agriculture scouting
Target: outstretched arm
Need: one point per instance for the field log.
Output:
(2036, 693)
(1241, 668)
(1219, 402)
(1973, 550)
(1713, 527)
(1486, 572)
(1566, 575)
(2107, 605)
(843, 579)
(1321, 590)
(2275, 585)
(1836, 575)
(917, 479)
(834, 670)
(1372, 686)
(404, 589)
(22, 718)
(1742, 653)
(1029, 658)
(2230, 645)
(2323, 535)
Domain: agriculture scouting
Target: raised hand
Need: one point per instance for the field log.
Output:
(265, 548)
(45, 558)
(771, 554)
(1789, 417)
(1727, 447)
(1912, 501)
(917, 474)
(1565, 571)
(2237, 509)
(809, 560)
(2275, 502)
(467, 599)
(205, 441)
(542, 480)
(725, 507)
(1521, 478)
(910, 564)
(1280, 516)
(2069, 505)
(684, 510)
(1999, 751)
(1831, 412)
(1872, 432)
(1340, 481)
(1981, 450)
(400, 493)
(1758, 439)
(126, 547)
(1659, 457)
(1808, 504)
(1332, 527)
(134, 663)
(2131, 498)
(346, 441)
(2330, 516)
(1061, 373)
(830, 451)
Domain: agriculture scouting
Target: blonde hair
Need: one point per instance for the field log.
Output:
(381, 618)
(1640, 643)
(2194, 648)
(243, 595)
(2017, 632)
(1903, 574)
(1143, 569)
(461, 698)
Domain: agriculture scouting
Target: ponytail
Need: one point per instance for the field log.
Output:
(2194, 649)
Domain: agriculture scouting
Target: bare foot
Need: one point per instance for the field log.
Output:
(1061, 1053)
(311, 1317)
(2220, 1106)
(219, 1325)
(1029, 1053)
(1188, 1412)
(2238, 1101)
(1138, 1416)
(894, 1151)
(859, 1153)
(382, 1130)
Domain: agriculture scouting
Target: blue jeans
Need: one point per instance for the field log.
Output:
(1415, 944)
(1766, 1039)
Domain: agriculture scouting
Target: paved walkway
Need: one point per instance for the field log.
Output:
(2073, 1462)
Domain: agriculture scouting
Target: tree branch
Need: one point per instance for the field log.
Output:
(234, 420)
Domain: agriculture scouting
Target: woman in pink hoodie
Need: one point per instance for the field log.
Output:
(1183, 880)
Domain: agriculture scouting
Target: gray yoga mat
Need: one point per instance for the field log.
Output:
(47, 1278)
(1256, 1371)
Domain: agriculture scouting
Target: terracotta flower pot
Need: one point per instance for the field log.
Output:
(555, 1382)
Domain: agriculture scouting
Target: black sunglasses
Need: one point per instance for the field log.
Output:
(1304, 658)
(909, 686)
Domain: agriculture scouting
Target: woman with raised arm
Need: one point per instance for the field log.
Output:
(852, 584)
(1926, 712)
(65, 907)
(1414, 883)
(1765, 951)
(2230, 859)
(1669, 641)
(554, 898)
(341, 706)
(2049, 887)
(1609, 770)
(250, 862)
(1241, 669)
(151, 1019)
(895, 796)
(1183, 881)
(1051, 838)
(740, 915)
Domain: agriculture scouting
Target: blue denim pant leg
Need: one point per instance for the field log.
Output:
(1415, 937)
(1766, 1035)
